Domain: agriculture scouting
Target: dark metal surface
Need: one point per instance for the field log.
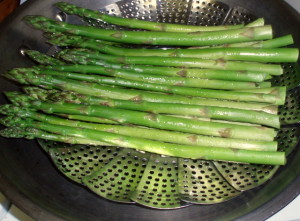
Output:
(29, 178)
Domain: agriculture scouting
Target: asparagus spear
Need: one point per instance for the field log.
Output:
(219, 64)
(185, 151)
(125, 94)
(61, 39)
(239, 54)
(264, 87)
(256, 22)
(43, 95)
(35, 92)
(220, 113)
(31, 133)
(88, 119)
(42, 58)
(205, 93)
(165, 71)
(154, 38)
(213, 120)
(106, 121)
(140, 24)
(225, 53)
(272, 43)
(71, 97)
(146, 133)
(160, 121)
(278, 42)
(163, 80)
(278, 91)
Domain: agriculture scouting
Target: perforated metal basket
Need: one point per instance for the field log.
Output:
(128, 176)
(133, 181)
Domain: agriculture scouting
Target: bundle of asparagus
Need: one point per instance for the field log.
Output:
(207, 97)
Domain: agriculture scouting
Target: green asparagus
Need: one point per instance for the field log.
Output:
(165, 71)
(272, 43)
(220, 113)
(238, 54)
(43, 59)
(132, 77)
(219, 64)
(185, 151)
(25, 75)
(160, 121)
(53, 82)
(140, 24)
(154, 38)
(146, 133)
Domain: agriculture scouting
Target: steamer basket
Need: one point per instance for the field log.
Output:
(77, 182)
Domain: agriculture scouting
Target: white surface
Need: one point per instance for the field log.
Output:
(4, 206)
(16, 214)
(295, 4)
(289, 213)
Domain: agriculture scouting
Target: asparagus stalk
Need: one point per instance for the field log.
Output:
(272, 43)
(45, 95)
(61, 39)
(71, 97)
(278, 91)
(147, 133)
(166, 71)
(88, 119)
(33, 92)
(140, 24)
(278, 42)
(213, 120)
(106, 121)
(132, 77)
(154, 38)
(43, 59)
(31, 133)
(220, 113)
(185, 151)
(125, 94)
(205, 93)
(37, 93)
(219, 64)
(225, 53)
(160, 121)
(239, 54)
(256, 22)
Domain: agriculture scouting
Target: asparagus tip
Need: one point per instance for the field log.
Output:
(37, 93)
(18, 132)
(66, 7)
(21, 75)
(41, 22)
(12, 132)
(32, 52)
(13, 110)
(29, 18)
(34, 19)
(11, 94)
(10, 121)
(18, 98)
(7, 109)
